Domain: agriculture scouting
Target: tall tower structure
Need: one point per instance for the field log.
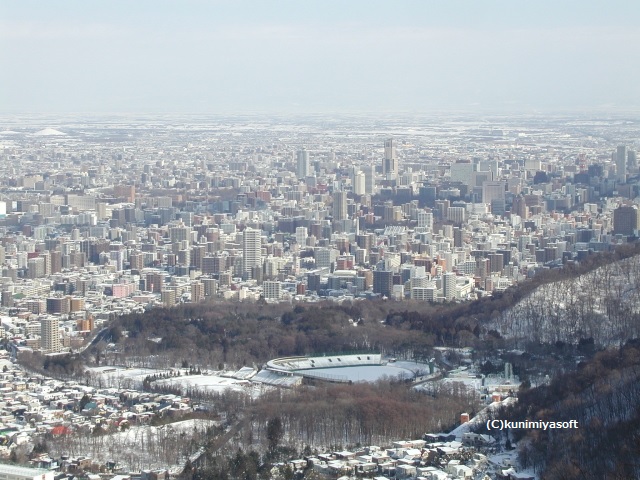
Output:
(251, 250)
(359, 183)
(621, 163)
(369, 179)
(339, 205)
(390, 161)
(303, 167)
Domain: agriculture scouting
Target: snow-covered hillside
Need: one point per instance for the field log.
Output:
(603, 304)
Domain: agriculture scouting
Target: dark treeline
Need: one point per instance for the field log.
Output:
(603, 395)
(246, 334)
(285, 424)
(235, 334)
(360, 414)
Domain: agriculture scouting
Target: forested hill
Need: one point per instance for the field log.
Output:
(602, 304)
(603, 395)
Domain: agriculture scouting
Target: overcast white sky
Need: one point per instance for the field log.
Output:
(318, 56)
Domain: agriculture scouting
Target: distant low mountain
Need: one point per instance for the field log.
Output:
(49, 132)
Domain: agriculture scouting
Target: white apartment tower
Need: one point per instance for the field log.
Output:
(303, 167)
(251, 250)
(359, 183)
(425, 219)
(621, 163)
(449, 286)
(50, 335)
(272, 290)
(301, 236)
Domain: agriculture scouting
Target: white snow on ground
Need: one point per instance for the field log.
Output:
(206, 383)
(146, 447)
(215, 382)
(504, 462)
(482, 416)
(135, 434)
(120, 377)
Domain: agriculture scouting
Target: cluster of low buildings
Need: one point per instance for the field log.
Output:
(34, 408)
(436, 457)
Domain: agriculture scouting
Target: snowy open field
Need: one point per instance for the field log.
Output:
(141, 447)
(120, 377)
(206, 383)
(363, 373)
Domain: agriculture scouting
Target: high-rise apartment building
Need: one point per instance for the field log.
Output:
(168, 297)
(359, 183)
(251, 250)
(449, 286)
(369, 179)
(303, 166)
(621, 163)
(197, 291)
(272, 290)
(301, 236)
(50, 335)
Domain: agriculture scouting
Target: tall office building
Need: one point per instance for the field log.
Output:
(369, 179)
(303, 166)
(251, 250)
(632, 161)
(390, 161)
(383, 282)
(493, 191)
(50, 335)
(621, 163)
(301, 236)
(462, 171)
(425, 219)
(359, 183)
(449, 286)
(626, 219)
(339, 205)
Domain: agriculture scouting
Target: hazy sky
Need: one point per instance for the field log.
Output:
(318, 56)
